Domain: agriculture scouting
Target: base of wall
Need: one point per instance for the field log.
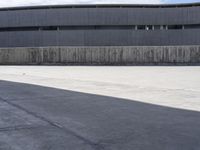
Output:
(117, 55)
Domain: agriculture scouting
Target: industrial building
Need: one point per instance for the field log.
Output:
(119, 25)
(100, 25)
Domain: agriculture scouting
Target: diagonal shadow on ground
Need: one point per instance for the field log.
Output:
(40, 118)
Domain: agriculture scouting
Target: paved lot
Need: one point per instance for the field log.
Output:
(177, 87)
(99, 108)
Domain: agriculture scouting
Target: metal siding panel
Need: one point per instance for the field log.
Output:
(19, 39)
(134, 37)
(52, 17)
(159, 16)
(24, 18)
(4, 39)
(49, 38)
(37, 37)
(108, 16)
(141, 38)
(97, 38)
(71, 38)
(134, 16)
(142, 16)
(27, 18)
(149, 16)
(193, 15)
(100, 16)
(41, 14)
(193, 36)
(107, 38)
(117, 16)
(185, 16)
(120, 37)
(73, 16)
(13, 18)
(96, 16)
(164, 37)
(100, 38)
(4, 19)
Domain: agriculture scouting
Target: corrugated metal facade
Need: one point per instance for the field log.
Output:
(99, 17)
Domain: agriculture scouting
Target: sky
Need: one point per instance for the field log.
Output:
(12, 3)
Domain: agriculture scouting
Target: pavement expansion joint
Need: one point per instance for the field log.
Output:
(28, 112)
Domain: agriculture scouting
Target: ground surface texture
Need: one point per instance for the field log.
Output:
(99, 108)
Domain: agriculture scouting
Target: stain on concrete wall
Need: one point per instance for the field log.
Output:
(125, 55)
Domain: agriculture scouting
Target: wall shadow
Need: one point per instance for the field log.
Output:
(107, 122)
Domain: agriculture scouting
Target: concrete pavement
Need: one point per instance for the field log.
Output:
(176, 86)
(42, 118)
(99, 108)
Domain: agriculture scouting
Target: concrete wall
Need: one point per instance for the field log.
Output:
(126, 55)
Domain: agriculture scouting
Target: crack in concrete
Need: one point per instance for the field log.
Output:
(19, 127)
(35, 97)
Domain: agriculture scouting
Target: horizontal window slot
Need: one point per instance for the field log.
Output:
(102, 27)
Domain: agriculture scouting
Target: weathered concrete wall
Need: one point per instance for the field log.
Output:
(126, 55)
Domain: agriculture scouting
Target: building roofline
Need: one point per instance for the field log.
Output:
(102, 6)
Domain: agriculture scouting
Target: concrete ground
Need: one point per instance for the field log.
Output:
(99, 108)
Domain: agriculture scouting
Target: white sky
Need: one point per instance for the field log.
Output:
(10, 3)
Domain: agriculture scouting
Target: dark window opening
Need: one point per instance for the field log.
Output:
(193, 26)
(149, 27)
(175, 27)
(157, 27)
(102, 27)
(141, 27)
(163, 27)
(4, 29)
(49, 28)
